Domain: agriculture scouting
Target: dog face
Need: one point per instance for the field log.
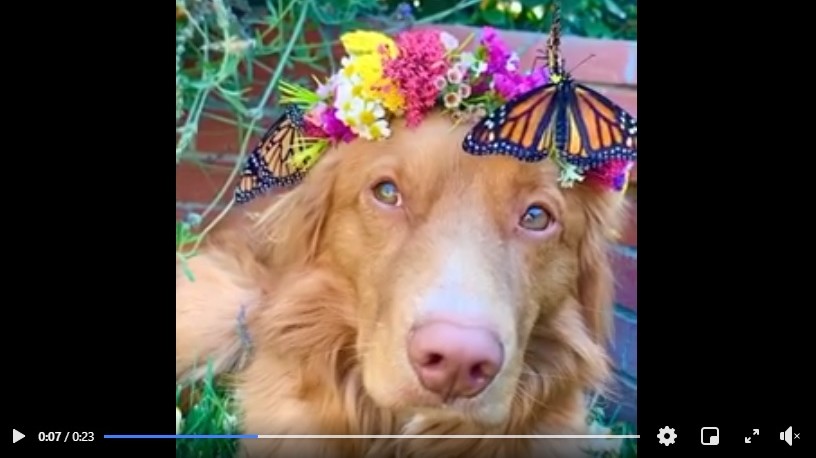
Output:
(478, 281)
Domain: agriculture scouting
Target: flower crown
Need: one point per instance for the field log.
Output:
(381, 79)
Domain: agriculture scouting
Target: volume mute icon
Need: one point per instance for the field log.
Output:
(788, 435)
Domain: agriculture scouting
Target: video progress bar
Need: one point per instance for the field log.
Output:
(372, 436)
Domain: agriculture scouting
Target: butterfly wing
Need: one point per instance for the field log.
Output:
(594, 130)
(583, 126)
(523, 127)
(268, 165)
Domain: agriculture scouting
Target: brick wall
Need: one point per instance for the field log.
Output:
(612, 70)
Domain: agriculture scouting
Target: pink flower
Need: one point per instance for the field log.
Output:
(335, 128)
(312, 130)
(611, 175)
(498, 53)
(420, 62)
(315, 115)
(503, 65)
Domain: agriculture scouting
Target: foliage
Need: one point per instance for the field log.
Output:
(210, 409)
(221, 44)
(589, 18)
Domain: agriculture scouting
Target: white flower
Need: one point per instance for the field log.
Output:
(569, 175)
(452, 100)
(448, 41)
(370, 124)
(325, 90)
(374, 131)
(467, 59)
(454, 75)
(364, 118)
(347, 104)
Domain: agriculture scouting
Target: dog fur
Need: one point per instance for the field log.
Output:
(332, 281)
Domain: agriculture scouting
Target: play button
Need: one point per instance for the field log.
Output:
(16, 436)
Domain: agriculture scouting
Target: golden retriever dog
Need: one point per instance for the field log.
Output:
(406, 287)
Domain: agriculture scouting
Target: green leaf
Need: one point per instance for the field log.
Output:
(186, 269)
(613, 8)
(494, 17)
(180, 230)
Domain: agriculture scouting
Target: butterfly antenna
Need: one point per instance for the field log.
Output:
(581, 63)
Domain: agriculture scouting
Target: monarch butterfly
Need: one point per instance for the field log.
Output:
(563, 120)
(268, 164)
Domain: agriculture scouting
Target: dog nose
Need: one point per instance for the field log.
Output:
(454, 361)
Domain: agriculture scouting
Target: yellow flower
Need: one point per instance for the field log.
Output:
(364, 67)
(362, 42)
(374, 86)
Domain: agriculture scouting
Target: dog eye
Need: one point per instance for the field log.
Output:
(387, 193)
(535, 218)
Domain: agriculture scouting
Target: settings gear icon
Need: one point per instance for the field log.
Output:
(666, 436)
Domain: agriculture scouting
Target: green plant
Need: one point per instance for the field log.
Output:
(589, 18)
(211, 411)
(220, 42)
(185, 237)
(600, 423)
(214, 45)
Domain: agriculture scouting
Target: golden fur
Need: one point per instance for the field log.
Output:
(333, 281)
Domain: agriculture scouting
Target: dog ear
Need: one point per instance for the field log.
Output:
(290, 229)
(604, 213)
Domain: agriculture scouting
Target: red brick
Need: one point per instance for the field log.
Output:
(225, 138)
(215, 136)
(261, 75)
(200, 184)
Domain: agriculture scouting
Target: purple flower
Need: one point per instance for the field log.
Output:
(502, 64)
(511, 84)
(611, 175)
(334, 127)
(404, 11)
(497, 51)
